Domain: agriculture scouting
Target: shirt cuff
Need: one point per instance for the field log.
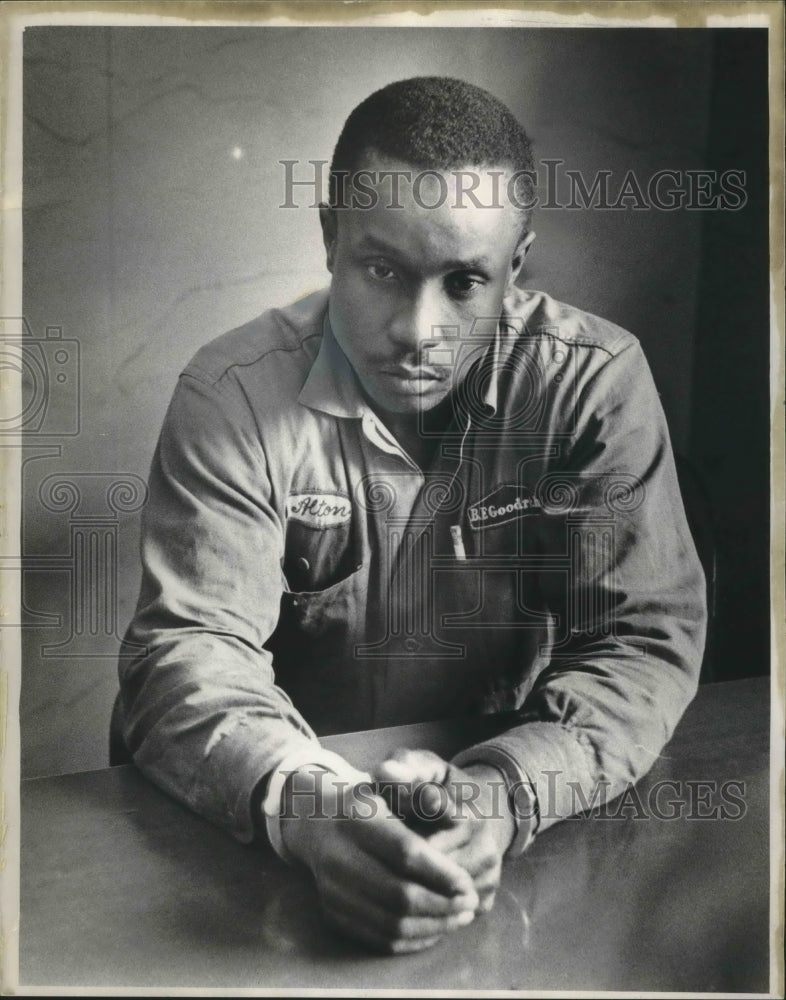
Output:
(558, 763)
(309, 756)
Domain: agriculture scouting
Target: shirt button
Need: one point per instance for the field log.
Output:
(303, 564)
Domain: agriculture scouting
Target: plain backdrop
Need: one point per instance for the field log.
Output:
(152, 187)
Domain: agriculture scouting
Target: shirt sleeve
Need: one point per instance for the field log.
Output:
(630, 617)
(203, 716)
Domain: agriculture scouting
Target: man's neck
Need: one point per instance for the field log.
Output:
(419, 434)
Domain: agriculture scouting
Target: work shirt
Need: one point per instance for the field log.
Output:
(303, 576)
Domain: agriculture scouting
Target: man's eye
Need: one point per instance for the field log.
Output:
(463, 284)
(381, 272)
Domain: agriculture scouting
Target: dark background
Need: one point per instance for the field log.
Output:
(151, 225)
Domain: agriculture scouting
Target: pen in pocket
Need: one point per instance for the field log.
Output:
(458, 543)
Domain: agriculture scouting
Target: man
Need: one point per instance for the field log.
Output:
(425, 493)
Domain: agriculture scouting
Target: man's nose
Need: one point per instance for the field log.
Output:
(420, 323)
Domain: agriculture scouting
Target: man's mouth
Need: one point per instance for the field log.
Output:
(416, 373)
(413, 380)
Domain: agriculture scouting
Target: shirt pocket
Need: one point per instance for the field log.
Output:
(313, 653)
(331, 615)
(317, 559)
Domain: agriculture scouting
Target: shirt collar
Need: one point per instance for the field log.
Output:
(332, 386)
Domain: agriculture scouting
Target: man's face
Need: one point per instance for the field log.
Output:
(405, 278)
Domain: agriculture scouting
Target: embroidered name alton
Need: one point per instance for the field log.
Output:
(319, 510)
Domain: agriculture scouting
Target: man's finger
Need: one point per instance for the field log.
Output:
(410, 855)
(412, 765)
(475, 854)
(414, 781)
(338, 919)
(450, 839)
(487, 900)
(424, 805)
(360, 912)
(366, 876)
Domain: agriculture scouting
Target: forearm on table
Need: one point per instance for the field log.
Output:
(207, 723)
(585, 738)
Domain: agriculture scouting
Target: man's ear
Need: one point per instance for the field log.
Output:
(329, 220)
(517, 260)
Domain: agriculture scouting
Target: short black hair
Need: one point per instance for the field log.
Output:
(435, 123)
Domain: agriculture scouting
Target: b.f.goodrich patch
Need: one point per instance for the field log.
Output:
(505, 503)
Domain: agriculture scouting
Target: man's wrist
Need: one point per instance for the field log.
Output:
(296, 811)
(493, 801)
(288, 800)
(520, 795)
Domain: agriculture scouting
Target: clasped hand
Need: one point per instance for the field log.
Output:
(399, 867)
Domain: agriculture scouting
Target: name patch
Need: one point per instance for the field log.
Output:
(504, 504)
(319, 510)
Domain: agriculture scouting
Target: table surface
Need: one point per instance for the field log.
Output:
(123, 887)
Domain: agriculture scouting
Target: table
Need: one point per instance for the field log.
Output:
(121, 886)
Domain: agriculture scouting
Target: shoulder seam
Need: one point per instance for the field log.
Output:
(576, 342)
(192, 368)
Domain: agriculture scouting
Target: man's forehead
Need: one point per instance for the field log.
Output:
(462, 212)
(466, 184)
(453, 257)
(444, 238)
